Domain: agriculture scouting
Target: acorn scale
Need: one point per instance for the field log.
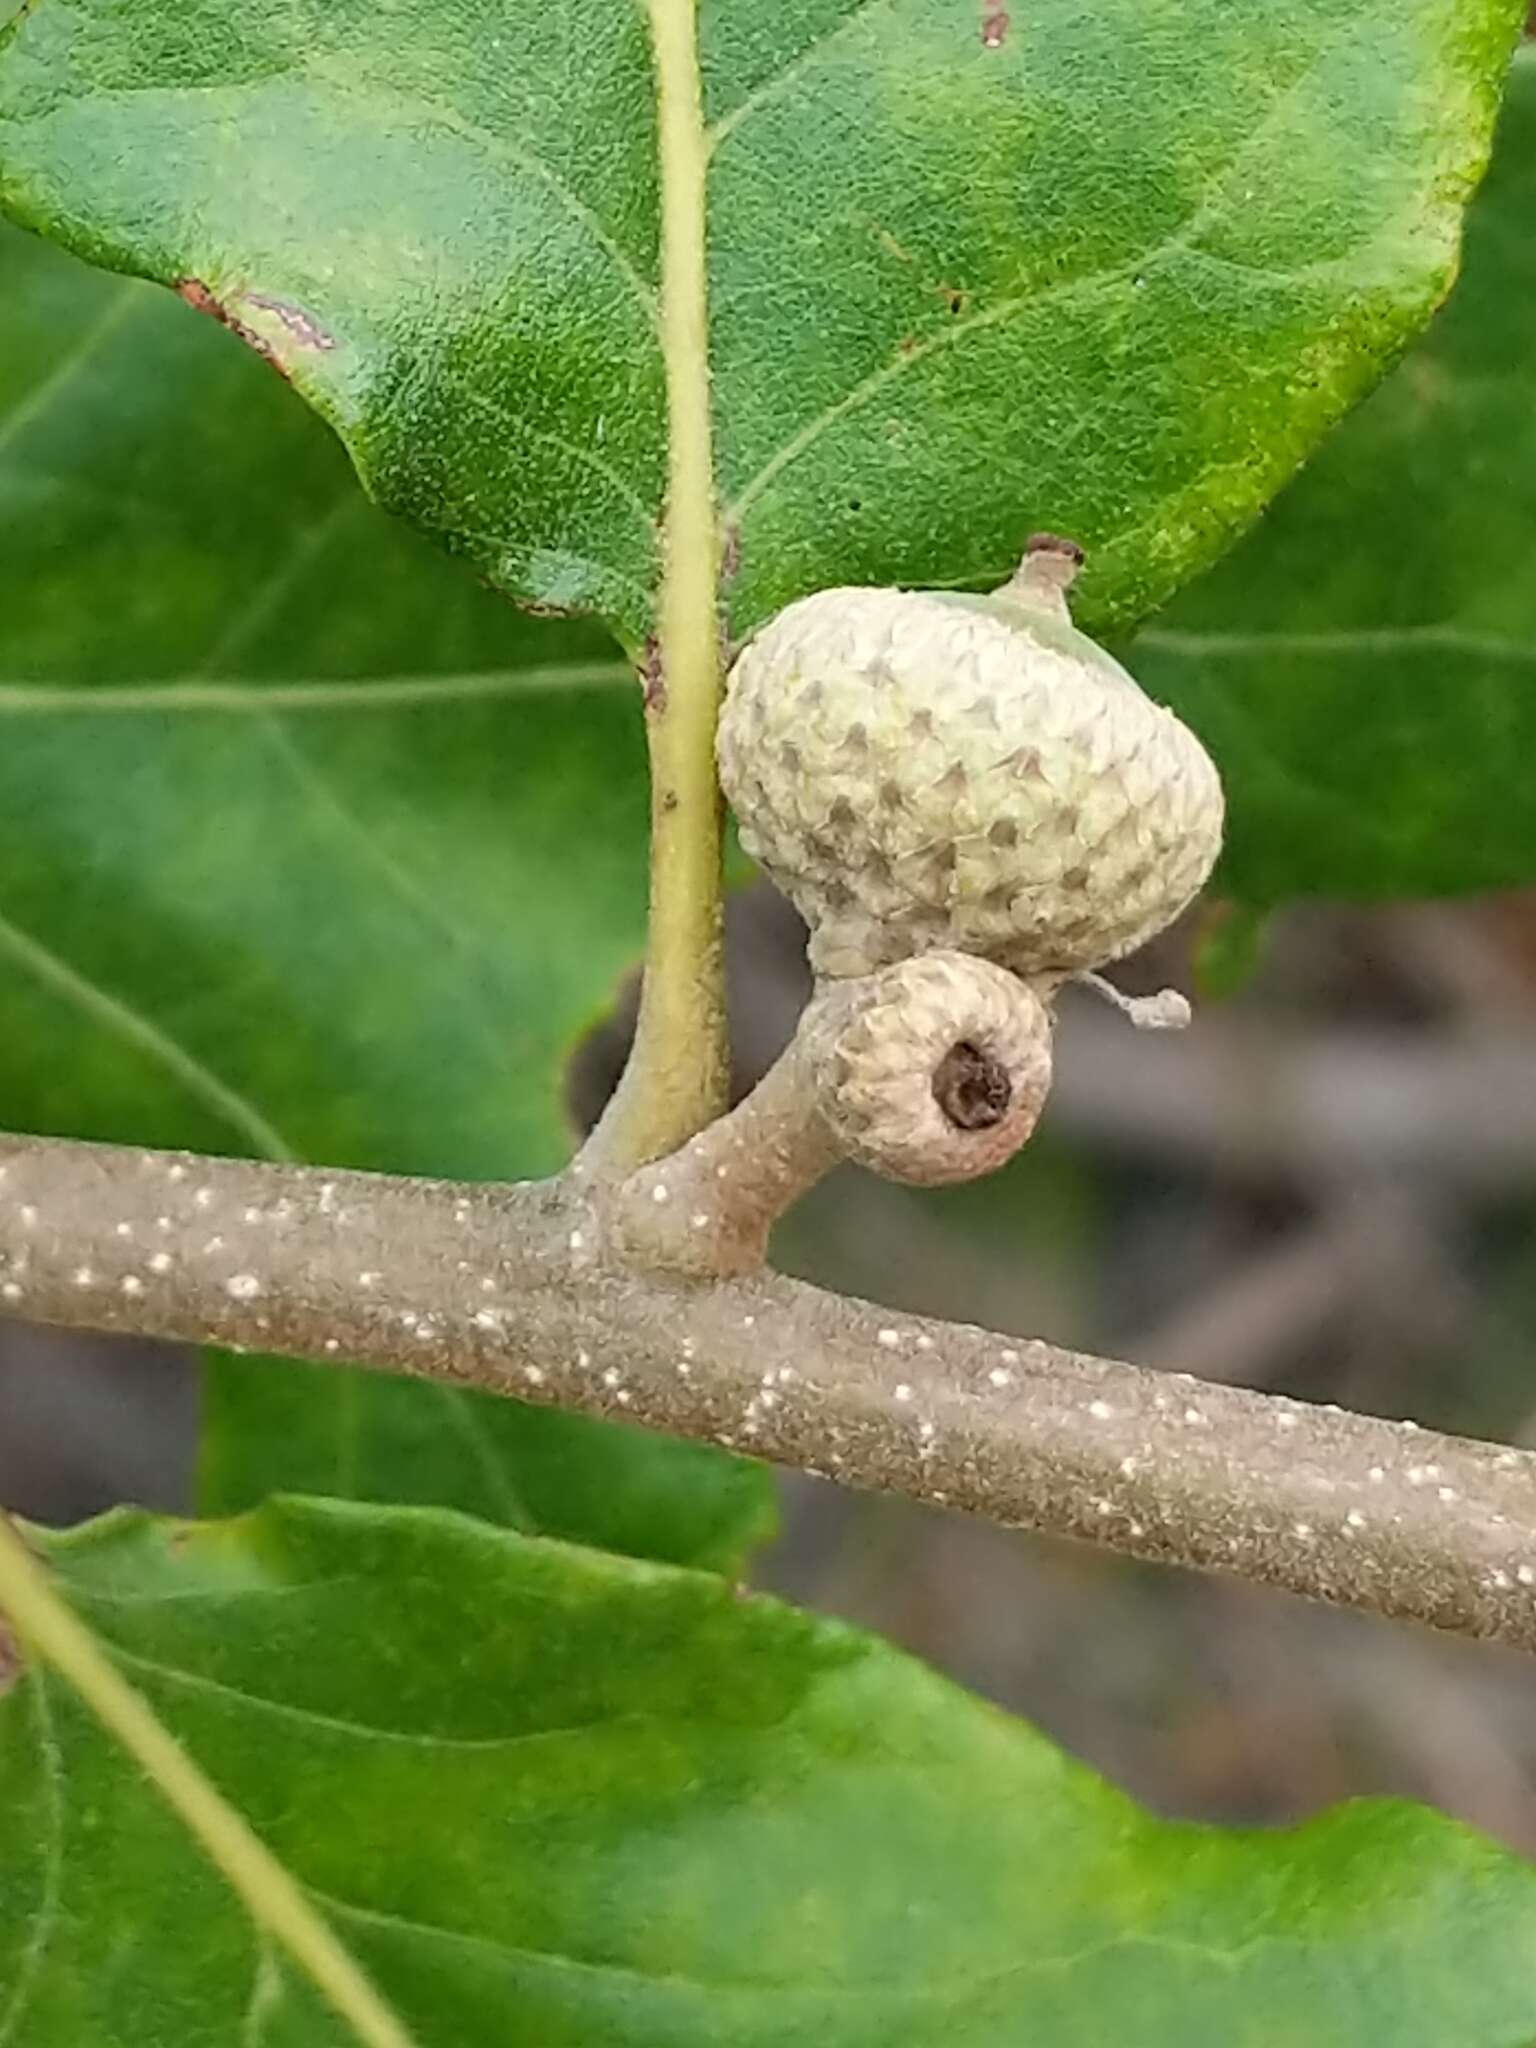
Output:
(932, 769)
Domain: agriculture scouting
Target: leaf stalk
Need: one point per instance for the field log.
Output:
(676, 1081)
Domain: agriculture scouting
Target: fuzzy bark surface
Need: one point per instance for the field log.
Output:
(532, 1290)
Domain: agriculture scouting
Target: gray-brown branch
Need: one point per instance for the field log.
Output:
(519, 1290)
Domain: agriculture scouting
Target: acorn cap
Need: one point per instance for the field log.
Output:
(941, 770)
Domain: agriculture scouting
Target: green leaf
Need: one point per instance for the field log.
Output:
(1364, 666)
(559, 1799)
(274, 1423)
(309, 846)
(1111, 270)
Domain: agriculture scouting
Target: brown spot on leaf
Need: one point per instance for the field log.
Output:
(203, 300)
(304, 327)
(11, 1663)
(994, 25)
(653, 682)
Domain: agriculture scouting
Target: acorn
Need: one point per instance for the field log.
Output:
(925, 770)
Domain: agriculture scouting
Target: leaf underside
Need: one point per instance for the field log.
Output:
(1110, 271)
(559, 1799)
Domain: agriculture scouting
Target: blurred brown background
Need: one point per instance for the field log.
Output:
(1326, 1187)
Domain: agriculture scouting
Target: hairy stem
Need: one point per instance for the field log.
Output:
(524, 1290)
(677, 1075)
(49, 1628)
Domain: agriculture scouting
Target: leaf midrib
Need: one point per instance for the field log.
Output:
(46, 1918)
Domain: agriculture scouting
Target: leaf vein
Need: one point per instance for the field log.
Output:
(47, 1918)
(266, 1995)
(52, 387)
(251, 698)
(1443, 635)
(500, 148)
(1181, 239)
(148, 1037)
(881, 1991)
(494, 415)
(367, 1731)
(804, 60)
(308, 543)
(907, 358)
(315, 785)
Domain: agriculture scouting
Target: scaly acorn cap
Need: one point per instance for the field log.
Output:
(931, 769)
